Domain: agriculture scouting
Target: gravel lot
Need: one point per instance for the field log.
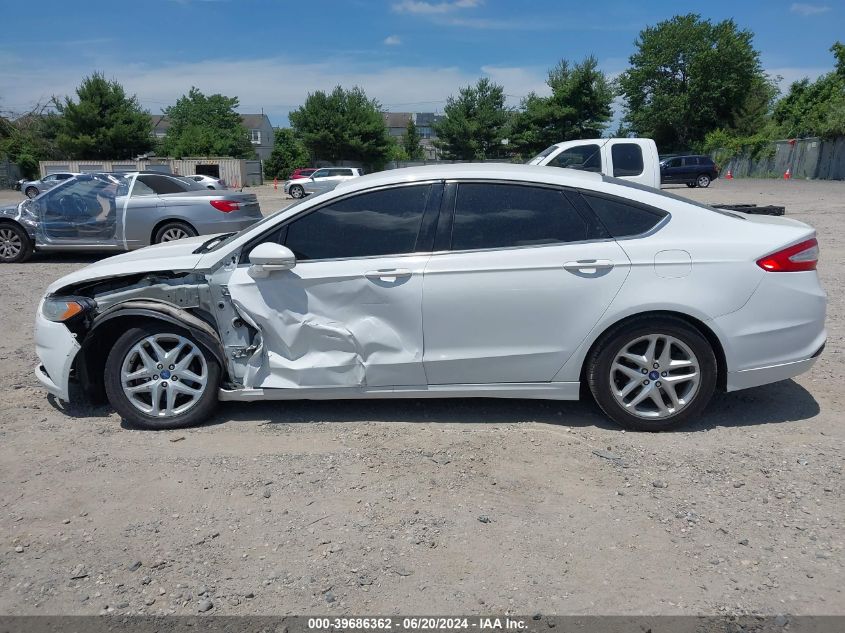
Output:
(453, 506)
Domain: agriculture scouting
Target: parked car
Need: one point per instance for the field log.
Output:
(32, 188)
(120, 212)
(209, 182)
(485, 280)
(320, 181)
(693, 170)
(633, 159)
(302, 172)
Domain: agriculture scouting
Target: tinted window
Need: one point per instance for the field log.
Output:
(320, 173)
(623, 219)
(140, 189)
(63, 176)
(584, 157)
(690, 161)
(627, 159)
(163, 184)
(705, 160)
(673, 162)
(499, 216)
(340, 172)
(378, 223)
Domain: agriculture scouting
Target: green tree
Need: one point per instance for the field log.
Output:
(203, 125)
(687, 77)
(30, 138)
(104, 123)
(579, 107)
(288, 154)
(815, 108)
(411, 141)
(342, 125)
(473, 124)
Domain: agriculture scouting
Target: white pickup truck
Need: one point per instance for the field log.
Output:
(633, 159)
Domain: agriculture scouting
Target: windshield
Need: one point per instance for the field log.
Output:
(216, 243)
(542, 154)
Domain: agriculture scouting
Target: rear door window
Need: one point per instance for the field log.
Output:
(691, 161)
(503, 216)
(163, 184)
(627, 159)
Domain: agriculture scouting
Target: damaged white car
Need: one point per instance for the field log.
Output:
(450, 281)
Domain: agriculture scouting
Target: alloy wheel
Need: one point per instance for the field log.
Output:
(174, 233)
(655, 376)
(703, 181)
(164, 375)
(10, 244)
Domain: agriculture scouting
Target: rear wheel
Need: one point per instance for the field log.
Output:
(31, 192)
(15, 245)
(158, 377)
(653, 374)
(296, 191)
(702, 181)
(173, 231)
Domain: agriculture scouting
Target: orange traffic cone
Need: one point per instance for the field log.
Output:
(787, 174)
(730, 175)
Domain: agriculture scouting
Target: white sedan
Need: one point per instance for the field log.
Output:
(450, 281)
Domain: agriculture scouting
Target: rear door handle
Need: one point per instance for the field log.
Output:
(388, 274)
(588, 265)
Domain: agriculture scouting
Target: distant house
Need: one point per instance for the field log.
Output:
(258, 127)
(397, 125)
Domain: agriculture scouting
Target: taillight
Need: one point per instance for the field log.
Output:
(226, 206)
(803, 256)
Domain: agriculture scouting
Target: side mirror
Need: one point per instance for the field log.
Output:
(269, 257)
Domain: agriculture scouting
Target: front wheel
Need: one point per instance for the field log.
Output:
(702, 181)
(296, 191)
(15, 245)
(173, 231)
(158, 377)
(653, 374)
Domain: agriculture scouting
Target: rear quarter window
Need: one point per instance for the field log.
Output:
(622, 218)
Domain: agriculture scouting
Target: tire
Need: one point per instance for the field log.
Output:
(173, 231)
(691, 185)
(15, 245)
(31, 192)
(609, 374)
(703, 181)
(296, 191)
(195, 389)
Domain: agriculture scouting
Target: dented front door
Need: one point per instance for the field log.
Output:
(349, 314)
(351, 323)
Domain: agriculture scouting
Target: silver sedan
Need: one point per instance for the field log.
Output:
(32, 188)
(320, 181)
(120, 212)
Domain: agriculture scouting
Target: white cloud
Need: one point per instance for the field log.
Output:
(420, 7)
(805, 9)
(393, 40)
(255, 82)
(790, 74)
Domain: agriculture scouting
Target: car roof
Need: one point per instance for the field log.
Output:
(481, 171)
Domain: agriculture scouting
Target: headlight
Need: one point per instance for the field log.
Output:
(61, 309)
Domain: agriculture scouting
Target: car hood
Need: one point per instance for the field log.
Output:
(170, 256)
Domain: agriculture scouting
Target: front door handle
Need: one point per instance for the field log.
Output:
(588, 265)
(388, 274)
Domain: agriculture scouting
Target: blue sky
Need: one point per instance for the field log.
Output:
(409, 54)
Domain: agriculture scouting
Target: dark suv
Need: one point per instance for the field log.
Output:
(693, 170)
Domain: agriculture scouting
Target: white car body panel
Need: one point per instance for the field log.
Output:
(514, 315)
(494, 322)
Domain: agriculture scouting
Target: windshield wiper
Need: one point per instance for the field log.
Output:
(214, 241)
